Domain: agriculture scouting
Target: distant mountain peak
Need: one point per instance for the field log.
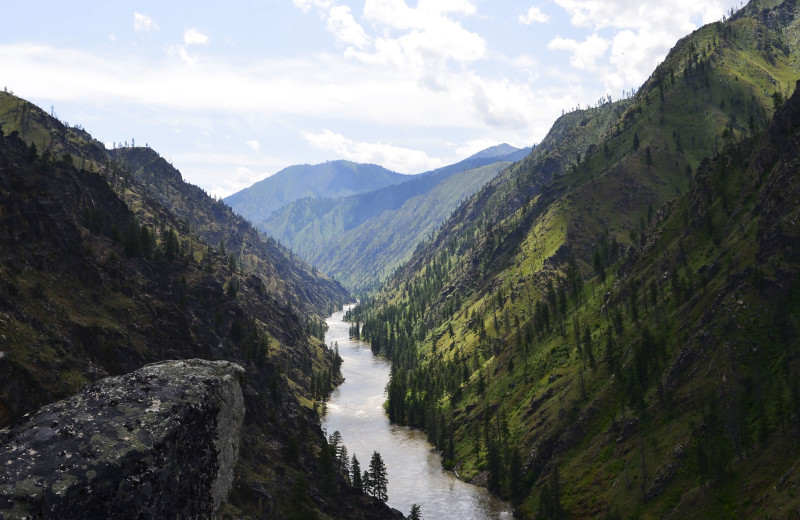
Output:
(331, 179)
(501, 150)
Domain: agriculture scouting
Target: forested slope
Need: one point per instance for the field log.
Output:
(362, 257)
(608, 328)
(105, 269)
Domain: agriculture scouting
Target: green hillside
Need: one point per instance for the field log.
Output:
(310, 225)
(360, 239)
(331, 179)
(364, 256)
(106, 265)
(607, 329)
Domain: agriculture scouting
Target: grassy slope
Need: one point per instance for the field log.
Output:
(469, 298)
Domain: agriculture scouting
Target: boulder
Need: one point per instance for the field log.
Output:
(160, 442)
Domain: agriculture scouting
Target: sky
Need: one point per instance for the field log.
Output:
(232, 92)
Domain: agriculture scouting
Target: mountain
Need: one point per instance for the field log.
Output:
(283, 273)
(364, 256)
(106, 266)
(315, 228)
(608, 328)
(503, 151)
(330, 179)
(308, 224)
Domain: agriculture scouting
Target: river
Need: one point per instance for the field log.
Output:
(414, 468)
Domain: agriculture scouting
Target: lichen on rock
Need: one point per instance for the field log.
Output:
(160, 442)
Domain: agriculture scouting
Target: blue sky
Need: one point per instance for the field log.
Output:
(233, 92)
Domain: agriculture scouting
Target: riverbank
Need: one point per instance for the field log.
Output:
(414, 467)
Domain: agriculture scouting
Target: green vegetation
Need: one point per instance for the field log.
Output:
(361, 239)
(331, 179)
(110, 261)
(362, 257)
(597, 337)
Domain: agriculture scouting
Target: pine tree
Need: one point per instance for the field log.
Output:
(378, 478)
(355, 469)
(414, 514)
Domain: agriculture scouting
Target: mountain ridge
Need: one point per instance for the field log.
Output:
(329, 179)
(101, 276)
(568, 336)
(315, 227)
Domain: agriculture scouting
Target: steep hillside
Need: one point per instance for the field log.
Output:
(99, 278)
(364, 256)
(295, 282)
(287, 277)
(309, 225)
(316, 227)
(331, 179)
(607, 329)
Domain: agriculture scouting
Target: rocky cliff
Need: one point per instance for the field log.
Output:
(160, 442)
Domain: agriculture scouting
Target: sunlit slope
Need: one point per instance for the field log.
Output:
(594, 332)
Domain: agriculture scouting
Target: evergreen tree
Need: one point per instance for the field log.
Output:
(378, 478)
(494, 466)
(366, 482)
(414, 514)
(515, 476)
(171, 245)
(355, 469)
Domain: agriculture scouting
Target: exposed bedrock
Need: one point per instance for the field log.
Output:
(160, 442)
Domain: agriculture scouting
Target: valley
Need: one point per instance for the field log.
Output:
(603, 325)
(355, 409)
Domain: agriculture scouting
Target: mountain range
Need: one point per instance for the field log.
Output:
(604, 326)
(607, 329)
(383, 225)
(327, 180)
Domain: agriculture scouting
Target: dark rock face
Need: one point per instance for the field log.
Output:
(160, 442)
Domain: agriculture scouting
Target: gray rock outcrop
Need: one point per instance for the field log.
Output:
(160, 442)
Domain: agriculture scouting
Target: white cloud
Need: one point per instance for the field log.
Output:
(403, 160)
(418, 42)
(305, 5)
(345, 28)
(193, 36)
(501, 104)
(533, 15)
(253, 144)
(143, 23)
(182, 53)
(447, 6)
(677, 15)
(584, 54)
(639, 35)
